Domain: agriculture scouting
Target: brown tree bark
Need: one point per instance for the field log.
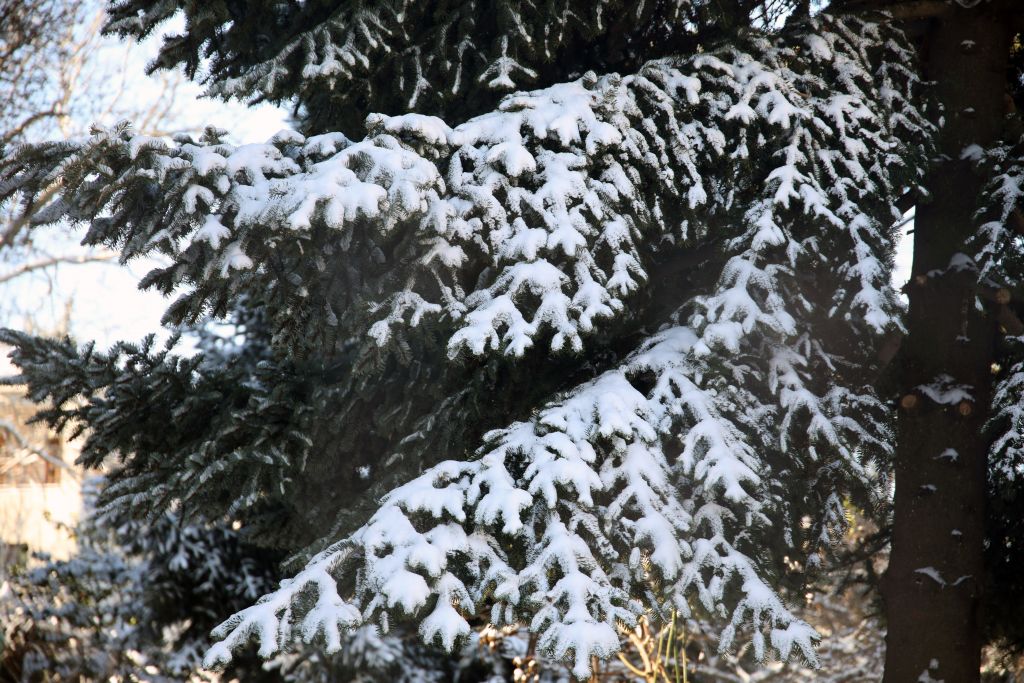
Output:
(933, 586)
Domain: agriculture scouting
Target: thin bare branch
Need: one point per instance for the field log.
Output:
(50, 261)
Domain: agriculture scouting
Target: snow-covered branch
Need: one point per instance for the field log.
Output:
(637, 489)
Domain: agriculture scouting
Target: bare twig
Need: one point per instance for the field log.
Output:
(28, 449)
(50, 261)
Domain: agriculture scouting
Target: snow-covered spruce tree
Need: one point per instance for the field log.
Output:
(998, 249)
(557, 358)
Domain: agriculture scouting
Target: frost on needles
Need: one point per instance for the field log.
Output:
(347, 59)
(672, 478)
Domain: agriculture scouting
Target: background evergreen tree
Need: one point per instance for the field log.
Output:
(557, 358)
(135, 602)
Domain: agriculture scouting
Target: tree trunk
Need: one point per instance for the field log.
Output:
(932, 588)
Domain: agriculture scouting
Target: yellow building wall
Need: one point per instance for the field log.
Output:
(41, 515)
(35, 513)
